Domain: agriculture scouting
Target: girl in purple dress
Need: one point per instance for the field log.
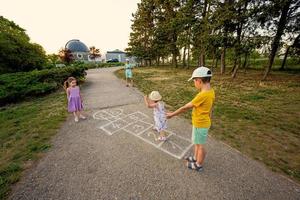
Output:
(74, 98)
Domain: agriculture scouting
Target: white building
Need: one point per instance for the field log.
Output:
(118, 54)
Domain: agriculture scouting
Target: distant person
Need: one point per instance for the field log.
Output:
(74, 98)
(128, 73)
(201, 115)
(160, 122)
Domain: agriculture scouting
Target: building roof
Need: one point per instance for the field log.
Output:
(116, 51)
(76, 46)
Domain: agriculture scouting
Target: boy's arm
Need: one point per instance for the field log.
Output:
(180, 110)
(148, 104)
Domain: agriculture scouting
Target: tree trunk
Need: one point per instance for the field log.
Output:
(237, 59)
(202, 58)
(285, 57)
(296, 41)
(275, 43)
(174, 60)
(188, 57)
(236, 68)
(216, 64)
(183, 58)
(213, 60)
(245, 61)
(223, 52)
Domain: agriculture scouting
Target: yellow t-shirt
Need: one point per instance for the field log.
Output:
(203, 103)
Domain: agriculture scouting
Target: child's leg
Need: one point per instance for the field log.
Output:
(75, 114)
(200, 154)
(80, 115)
(195, 151)
(131, 82)
(162, 136)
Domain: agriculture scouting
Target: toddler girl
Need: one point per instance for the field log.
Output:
(154, 101)
(74, 98)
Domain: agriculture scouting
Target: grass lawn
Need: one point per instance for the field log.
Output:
(262, 120)
(25, 132)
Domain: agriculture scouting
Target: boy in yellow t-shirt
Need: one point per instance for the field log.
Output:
(201, 116)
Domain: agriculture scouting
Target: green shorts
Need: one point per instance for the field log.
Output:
(199, 135)
(128, 73)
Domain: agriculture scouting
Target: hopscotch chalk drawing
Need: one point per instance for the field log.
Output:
(135, 124)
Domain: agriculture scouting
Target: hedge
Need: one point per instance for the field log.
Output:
(93, 65)
(17, 86)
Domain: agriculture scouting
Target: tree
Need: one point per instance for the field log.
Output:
(170, 8)
(296, 44)
(16, 51)
(141, 38)
(65, 55)
(94, 53)
(278, 14)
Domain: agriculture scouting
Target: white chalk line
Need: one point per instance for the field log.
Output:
(129, 123)
(186, 150)
(111, 116)
(112, 123)
(136, 119)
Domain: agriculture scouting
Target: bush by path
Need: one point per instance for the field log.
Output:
(93, 65)
(17, 86)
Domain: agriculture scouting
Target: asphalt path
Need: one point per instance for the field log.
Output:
(114, 155)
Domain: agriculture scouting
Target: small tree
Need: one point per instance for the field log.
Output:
(94, 53)
(65, 55)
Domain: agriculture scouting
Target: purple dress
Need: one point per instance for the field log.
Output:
(74, 101)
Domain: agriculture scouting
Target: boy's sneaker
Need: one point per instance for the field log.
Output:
(82, 117)
(190, 159)
(194, 166)
(76, 119)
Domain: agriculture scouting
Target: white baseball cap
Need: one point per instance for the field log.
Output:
(201, 72)
(155, 96)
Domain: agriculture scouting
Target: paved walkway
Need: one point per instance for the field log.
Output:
(113, 155)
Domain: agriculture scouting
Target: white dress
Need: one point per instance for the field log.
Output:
(160, 117)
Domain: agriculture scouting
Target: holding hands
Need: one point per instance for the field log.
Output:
(169, 115)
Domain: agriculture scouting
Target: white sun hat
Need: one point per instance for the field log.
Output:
(201, 72)
(155, 96)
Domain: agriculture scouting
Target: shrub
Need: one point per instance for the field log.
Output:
(17, 86)
(92, 65)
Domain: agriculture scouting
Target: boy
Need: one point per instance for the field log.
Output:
(128, 73)
(202, 108)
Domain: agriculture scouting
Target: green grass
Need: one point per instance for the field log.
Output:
(260, 119)
(25, 132)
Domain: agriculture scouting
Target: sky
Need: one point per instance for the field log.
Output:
(51, 23)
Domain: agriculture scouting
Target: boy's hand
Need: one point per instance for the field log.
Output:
(169, 115)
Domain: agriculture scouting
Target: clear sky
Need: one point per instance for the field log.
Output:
(51, 23)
